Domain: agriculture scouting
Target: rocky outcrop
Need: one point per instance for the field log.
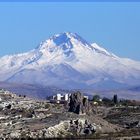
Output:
(72, 127)
(82, 127)
(78, 103)
(67, 128)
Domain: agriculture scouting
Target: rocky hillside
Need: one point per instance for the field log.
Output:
(23, 117)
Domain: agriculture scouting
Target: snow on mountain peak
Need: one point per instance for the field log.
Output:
(66, 40)
(102, 50)
(67, 60)
(65, 37)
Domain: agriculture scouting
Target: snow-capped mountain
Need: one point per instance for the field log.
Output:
(68, 61)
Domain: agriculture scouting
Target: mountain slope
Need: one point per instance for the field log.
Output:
(68, 61)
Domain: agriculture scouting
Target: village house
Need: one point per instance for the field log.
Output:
(59, 98)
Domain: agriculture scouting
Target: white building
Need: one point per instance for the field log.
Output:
(66, 97)
(60, 98)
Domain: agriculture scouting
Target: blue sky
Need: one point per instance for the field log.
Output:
(114, 26)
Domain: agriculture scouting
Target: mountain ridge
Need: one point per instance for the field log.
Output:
(67, 61)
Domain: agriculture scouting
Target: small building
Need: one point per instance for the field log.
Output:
(58, 98)
(66, 97)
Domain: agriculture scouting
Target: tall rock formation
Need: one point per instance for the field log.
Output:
(78, 103)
